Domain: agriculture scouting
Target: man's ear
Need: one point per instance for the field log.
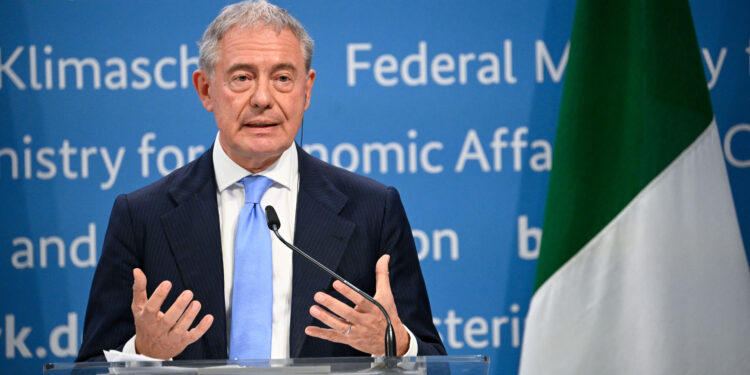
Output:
(308, 87)
(202, 83)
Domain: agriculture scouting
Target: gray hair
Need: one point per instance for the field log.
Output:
(246, 14)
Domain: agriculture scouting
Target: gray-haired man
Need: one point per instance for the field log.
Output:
(172, 244)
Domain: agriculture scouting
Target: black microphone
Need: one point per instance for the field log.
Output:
(390, 337)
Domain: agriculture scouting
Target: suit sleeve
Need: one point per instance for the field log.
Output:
(109, 318)
(407, 283)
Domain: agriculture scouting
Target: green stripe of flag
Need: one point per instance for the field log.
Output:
(634, 97)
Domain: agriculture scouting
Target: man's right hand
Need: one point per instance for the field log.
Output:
(159, 334)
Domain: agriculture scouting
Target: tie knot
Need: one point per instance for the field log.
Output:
(255, 187)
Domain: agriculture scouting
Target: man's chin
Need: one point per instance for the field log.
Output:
(257, 158)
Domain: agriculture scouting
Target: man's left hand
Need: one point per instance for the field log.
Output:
(363, 326)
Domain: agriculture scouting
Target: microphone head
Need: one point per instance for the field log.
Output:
(272, 219)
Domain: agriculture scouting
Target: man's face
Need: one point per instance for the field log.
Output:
(258, 93)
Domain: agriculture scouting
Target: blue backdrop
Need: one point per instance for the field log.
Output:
(454, 103)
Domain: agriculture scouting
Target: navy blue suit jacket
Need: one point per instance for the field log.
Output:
(170, 229)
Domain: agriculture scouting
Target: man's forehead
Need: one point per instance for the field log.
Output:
(261, 39)
(260, 31)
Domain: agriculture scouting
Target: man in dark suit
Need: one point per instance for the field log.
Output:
(170, 245)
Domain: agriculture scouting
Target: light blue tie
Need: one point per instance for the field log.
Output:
(252, 296)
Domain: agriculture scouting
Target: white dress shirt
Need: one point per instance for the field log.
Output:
(282, 195)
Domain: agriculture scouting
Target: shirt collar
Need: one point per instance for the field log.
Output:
(228, 172)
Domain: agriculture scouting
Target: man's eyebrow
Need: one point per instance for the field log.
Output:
(253, 67)
(284, 65)
(241, 66)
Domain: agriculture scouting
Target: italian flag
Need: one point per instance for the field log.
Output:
(642, 268)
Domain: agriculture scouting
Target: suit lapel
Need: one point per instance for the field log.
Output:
(323, 234)
(192, 229)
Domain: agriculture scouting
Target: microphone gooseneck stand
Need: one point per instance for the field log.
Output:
(390, 336)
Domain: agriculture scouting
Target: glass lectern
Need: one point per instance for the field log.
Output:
(427, 365)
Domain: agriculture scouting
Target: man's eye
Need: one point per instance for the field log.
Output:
(284, 79)
(241, 82)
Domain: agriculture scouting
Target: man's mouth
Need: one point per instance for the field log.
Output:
(261, 124)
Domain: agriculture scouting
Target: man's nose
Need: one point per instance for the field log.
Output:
(262, 97)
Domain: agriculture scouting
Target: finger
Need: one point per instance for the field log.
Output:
(139, 289)
(153, 305)
(178, 307)
(337, 307)
(329, 319)
(350, 294)
(187, 318)
(325, 334)
(199, 330)
(382, 278)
